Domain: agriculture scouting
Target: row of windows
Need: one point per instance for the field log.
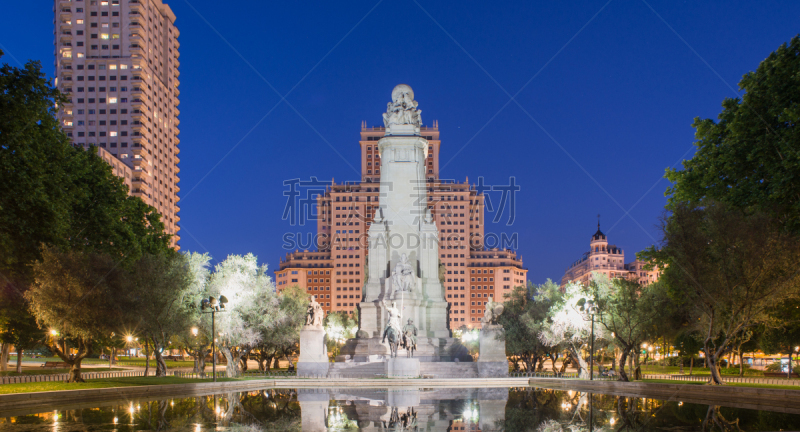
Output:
(103, 133)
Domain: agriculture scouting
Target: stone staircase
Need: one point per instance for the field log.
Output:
(357, 370)
(378, 369)
(448, 370)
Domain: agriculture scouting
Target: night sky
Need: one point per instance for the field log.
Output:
(605, 94)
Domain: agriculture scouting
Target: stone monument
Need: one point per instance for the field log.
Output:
(492, 361)
(313, 361)
(403, 246)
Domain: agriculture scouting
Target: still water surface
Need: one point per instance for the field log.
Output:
(381, 409)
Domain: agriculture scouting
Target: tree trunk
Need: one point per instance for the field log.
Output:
(741, 361)
(74, 362)
(637, 372)
(232, 359)
(146, 359)
(19, 360)
(713, 366)
(583, 367)
(623, 376)
(161, 365)
(5, 349)
(614, 360)
(691, 365)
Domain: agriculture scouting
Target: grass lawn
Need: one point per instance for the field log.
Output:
(771, 386)
(43, 371)
(100, 383)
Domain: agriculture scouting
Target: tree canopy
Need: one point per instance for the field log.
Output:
(750, 158)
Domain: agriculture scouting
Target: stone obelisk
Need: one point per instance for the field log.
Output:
(403, 241)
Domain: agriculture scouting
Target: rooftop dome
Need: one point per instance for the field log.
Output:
(599, 234)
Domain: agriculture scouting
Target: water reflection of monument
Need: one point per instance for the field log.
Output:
(401, 409)
(403, 270)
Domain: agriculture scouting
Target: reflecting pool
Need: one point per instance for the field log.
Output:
(400, 409)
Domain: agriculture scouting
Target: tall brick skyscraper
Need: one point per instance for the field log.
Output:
(335, 273)
(117, 60)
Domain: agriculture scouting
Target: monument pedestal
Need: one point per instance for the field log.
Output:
(402, 367)
(492, 361)
(313, 361)
(429, 349)
(313, 409)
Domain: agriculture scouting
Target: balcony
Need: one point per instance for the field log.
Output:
(136, 50)
(139, 162)
(65, 4)
(135, 7)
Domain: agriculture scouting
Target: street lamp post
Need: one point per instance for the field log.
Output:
(588, 306)
(215, 305)
(591, 358)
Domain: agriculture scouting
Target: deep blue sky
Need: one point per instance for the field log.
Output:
(614, 103)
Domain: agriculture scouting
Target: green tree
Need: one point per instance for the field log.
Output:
(75, 294)
(34, 157)
(689, 343)
(523, 318)
(105, 219)
(284, 338)
(628, 311)
(159, 301)
(730, 268)
(750, 158)
(782, 331)
(252, 311)
(18, 327)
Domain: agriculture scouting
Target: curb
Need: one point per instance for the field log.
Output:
(781, 400)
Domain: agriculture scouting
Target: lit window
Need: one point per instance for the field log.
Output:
(67, 54)
(112, 133)
(80, 55)
(67, 123)
(112, 100)
(112, 67)
(103, 3)
(104, 36)
(80, 21)
(123, 66)
(104, 25)
(115, 36)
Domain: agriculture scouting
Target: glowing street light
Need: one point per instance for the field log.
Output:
(194, 331)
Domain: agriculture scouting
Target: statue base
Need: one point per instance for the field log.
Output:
(313, 361)
(429, 349)
(402, 367)
(492, 361)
